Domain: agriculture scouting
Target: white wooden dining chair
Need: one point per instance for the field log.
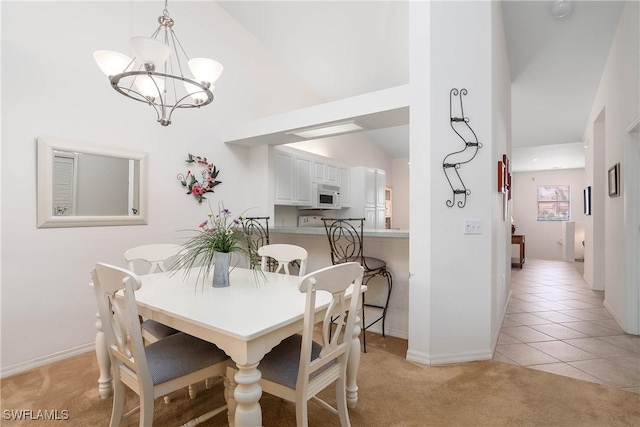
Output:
(154, 370)
(299, 368)
(283, 254)
(155, 256)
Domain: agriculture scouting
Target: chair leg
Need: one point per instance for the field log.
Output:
(146, 410)
(118, 403)
(364, 329)
(386, 304)
(167, 399)
(386, 274)
(192, 392)
(302, 416)
(341, 401)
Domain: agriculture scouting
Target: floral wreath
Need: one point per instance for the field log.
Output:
(209, 175)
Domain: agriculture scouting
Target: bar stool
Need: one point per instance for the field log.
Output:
(257, 228)
(347, 245)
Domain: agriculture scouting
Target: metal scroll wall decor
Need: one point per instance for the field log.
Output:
(453, 161)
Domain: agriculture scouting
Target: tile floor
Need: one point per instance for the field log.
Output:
(556, 323)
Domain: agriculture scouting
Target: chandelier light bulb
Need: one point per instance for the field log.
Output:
(198, 95)
(205, 70)
(561, 8)
(150, 87)
(150, 52)
(112, 63)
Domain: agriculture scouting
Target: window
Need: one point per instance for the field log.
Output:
(554, 203)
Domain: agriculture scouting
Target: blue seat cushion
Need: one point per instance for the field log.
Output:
(180, 354)
(281, 364)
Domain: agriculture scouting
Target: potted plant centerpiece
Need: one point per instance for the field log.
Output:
(216, 239)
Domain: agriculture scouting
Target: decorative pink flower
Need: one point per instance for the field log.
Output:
(197, 190)
(203, 225)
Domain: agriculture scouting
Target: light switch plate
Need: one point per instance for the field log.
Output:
(472, 226)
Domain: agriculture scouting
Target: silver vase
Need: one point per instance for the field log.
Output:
(221, 269)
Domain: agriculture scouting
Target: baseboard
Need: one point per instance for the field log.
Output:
(496, 335)
(392, 332)
(28, 365)
(614, 314)
(444, 359)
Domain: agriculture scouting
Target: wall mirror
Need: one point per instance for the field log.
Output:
(85, 185)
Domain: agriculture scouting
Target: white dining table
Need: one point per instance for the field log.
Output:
(246, 320)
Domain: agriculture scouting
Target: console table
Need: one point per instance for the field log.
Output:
(518, 239)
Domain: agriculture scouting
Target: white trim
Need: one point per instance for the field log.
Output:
(28, 365)
(496, 335)
(444, 359)
(392, 332)
(613, 314)
(634, 127)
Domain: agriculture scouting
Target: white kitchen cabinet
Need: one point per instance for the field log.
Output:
(302, 187)
(344, 182)
(381, 218)
(367, 186)
(370, 191)
(284, 179)
(369, 218)
(293, 180)
(381, 183)
(325, 173)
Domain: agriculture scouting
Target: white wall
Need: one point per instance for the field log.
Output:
(453, 276)
(52, 87)
(542, 236)
(618, 96)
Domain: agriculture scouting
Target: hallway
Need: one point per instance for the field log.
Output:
(555, 323)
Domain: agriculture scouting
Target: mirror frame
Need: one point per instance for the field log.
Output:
(46, 219)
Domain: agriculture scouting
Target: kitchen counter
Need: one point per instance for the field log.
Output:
(402, 234)
(392, 246)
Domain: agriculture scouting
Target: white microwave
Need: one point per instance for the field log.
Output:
(324, 196)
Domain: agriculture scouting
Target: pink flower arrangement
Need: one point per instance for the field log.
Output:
(209, 178)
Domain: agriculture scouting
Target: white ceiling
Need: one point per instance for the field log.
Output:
(347, 48)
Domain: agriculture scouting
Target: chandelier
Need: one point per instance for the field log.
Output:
(156, 75)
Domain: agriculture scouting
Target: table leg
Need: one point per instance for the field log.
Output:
(247, 396)
(353, 362)
(104, 363)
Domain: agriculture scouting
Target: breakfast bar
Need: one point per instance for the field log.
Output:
(389, 245)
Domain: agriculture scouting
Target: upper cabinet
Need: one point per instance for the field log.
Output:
(293, 179)
(296, 172)
(325, 173)
(344, 182)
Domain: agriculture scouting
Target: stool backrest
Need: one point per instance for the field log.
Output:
(345, 239)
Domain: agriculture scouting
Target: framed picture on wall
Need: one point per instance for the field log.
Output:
(587, 200)
(614, 180)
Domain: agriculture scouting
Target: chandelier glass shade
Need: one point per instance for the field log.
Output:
(160, 73)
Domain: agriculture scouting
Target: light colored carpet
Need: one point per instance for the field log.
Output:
(393, 392)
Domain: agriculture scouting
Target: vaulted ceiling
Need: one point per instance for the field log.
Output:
(347, 48)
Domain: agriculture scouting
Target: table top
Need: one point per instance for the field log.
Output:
(255, 303)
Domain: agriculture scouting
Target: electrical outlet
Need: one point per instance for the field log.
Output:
(472, 226)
